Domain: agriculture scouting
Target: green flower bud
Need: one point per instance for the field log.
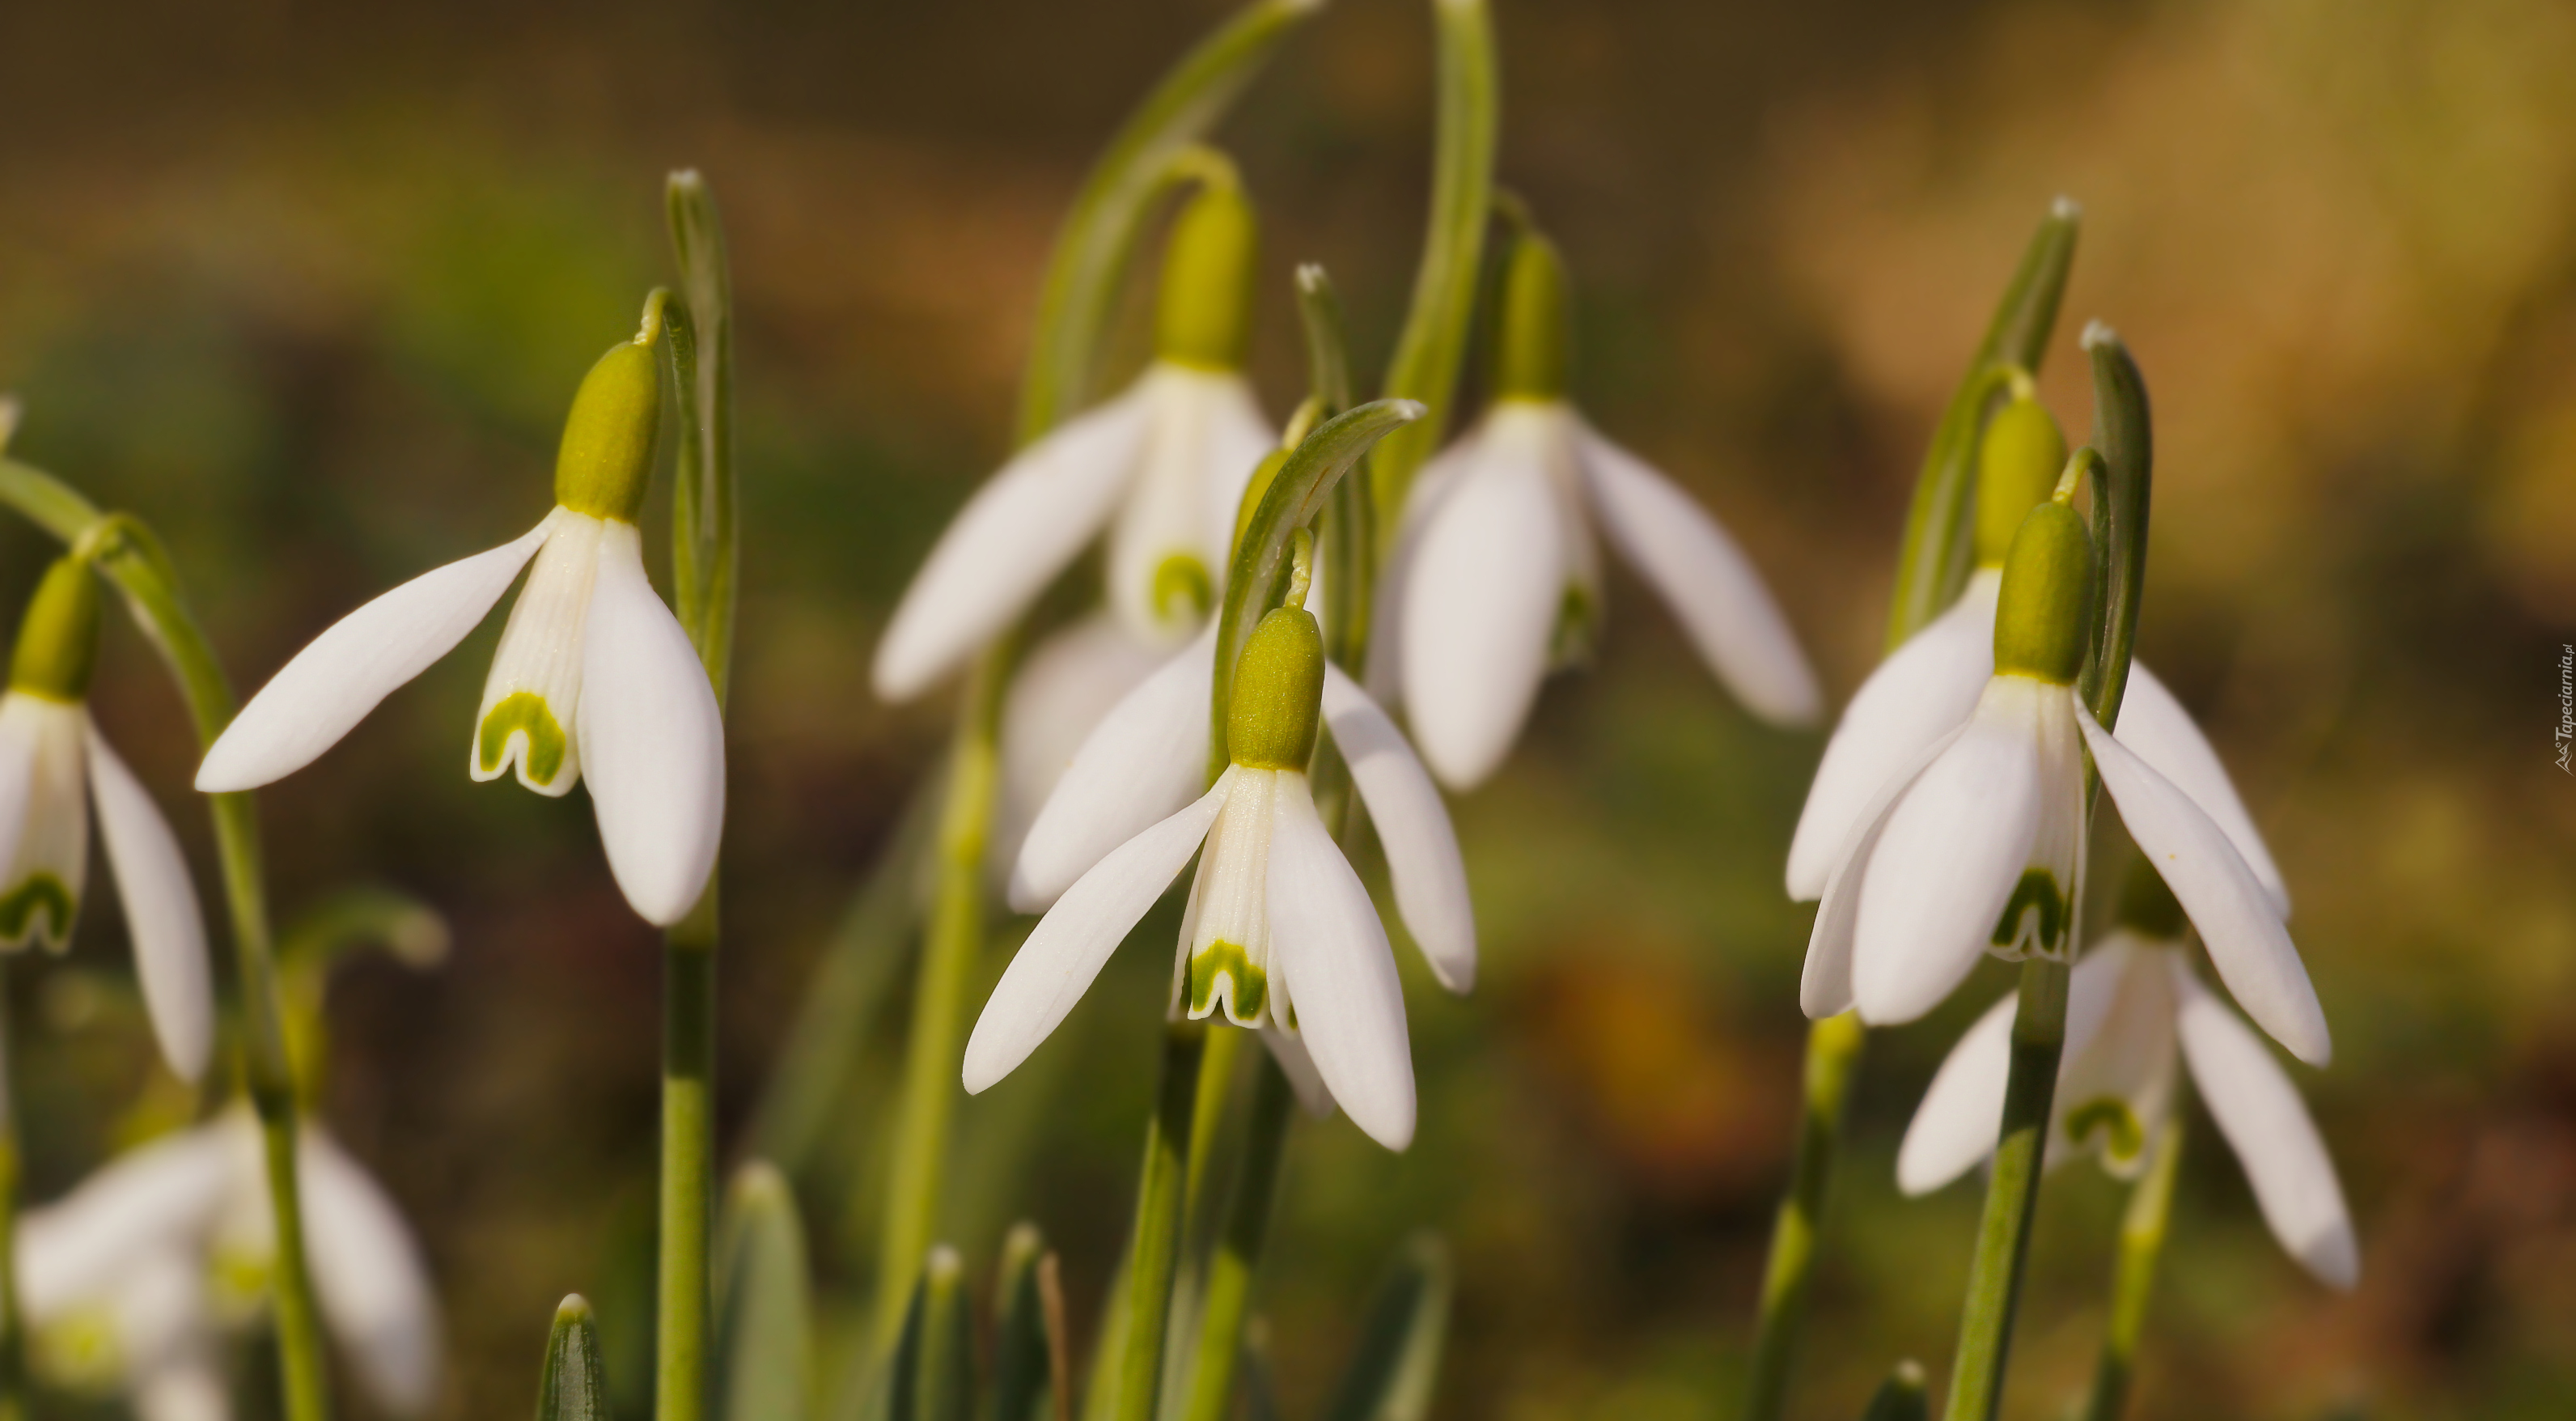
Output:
(2041, 623)
(1205, 317)
(606, 462)
(1278, 693)
(1532, 351)
(2017, 468)
(58, 640)
(2147, 905)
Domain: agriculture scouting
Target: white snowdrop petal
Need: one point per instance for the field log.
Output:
(1145, 759)
(1924, 690)
(1704, 576)
(20, 740)
(161, 911)
(1825, 987)
(1944, 866)
(2259, 1111)
(368, 1276)
(1064, 689)
(2219, 893)
(1055, 965)
(1954, 1128)
(1010, 540)
(157, 1196)
(331, 685)
(162, 1330)
(187, 1387)
(1313, 1096)
(1240, 436)
(1481, 595)
(1203, 435)
(1431, 485)
(1333, 949)
(2155, 725)
(1422, 859)
(652, 740)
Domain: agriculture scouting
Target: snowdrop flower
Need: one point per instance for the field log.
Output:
(54, 765)
(1496, 577)
(2132, 1002)
(1160, 467)
(126, 1280)
(1977, 845)
(1279, 935)
(1063, 689)
(1932, 683)
(593, 679)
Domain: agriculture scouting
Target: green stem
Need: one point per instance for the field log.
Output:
(2012, 1195)
(683, 1330)
(2133, 1279)
(13, 1337)
(1833, 1058)
(954, 939)
(1226, 1295)
(1154, 1255)
(128, 555)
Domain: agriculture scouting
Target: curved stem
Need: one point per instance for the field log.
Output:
(2012, 1195)
(1833, 1058)
(130, 557)
(2133, 1279)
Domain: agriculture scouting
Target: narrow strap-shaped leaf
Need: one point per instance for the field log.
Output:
(702, 499)
(1392, 1376)
(1433, 344)
(1932, 562)
(764, 1312)
(1296, 494)
(1900, 1397)
(1091, 249)
(572, 1387)
(1024, 1343)
(2123, 434)
(930, 1375)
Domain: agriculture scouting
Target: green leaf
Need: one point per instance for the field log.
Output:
(571, 1388)
(764, 1312)
(1932, 563)
(1091, 249)
(1398, 1362)
(1027, 1343)
(1900, 1397)
(1296, 494)
(1433, 344)
(702, 498)
(933, 1376)
(2123, 436)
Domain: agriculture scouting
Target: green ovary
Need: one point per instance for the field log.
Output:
(522, 711)
(2122, 1133)
(2036, 893)
(1182, 580)
(41, 893)
(1247, 987)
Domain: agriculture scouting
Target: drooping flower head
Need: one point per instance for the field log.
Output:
(1159, 467)
(54, 764)
(1280, 934)
(1497, 577)
(594, 679)
(2133, 1007)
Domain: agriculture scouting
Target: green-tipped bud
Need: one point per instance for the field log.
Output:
(1278, 691)
(1205, 317)
(58, 640)
(1901, 1397)
(573, 1386)
(2147, 905)
(1533, 349)
(2017, 466)
(2042, 621)
(606, 462)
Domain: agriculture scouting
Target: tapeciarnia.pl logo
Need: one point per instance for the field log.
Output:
(2566, 706)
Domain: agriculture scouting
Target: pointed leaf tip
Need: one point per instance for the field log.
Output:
(2099, 333)
(573, 1386)
(2066, 209)
(1901, 1397)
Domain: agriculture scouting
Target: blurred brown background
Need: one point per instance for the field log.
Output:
(309, 287)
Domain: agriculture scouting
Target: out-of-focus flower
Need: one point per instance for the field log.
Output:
(1929, 686)
(54, 764)
(594, 676)
(1977, 845)
(1062, 691)
(1497, 579)
(1161, 466)
(2133, 1000)
(128, 1280)
(1280, 934)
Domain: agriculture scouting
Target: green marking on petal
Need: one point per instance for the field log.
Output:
(1183, 579)
(2123, 1135)
(41, 893)
(2036, 893)
(1578, 613)
(522, 711)
(1223, 968)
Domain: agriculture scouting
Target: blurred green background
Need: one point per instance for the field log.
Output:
(309, 287)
